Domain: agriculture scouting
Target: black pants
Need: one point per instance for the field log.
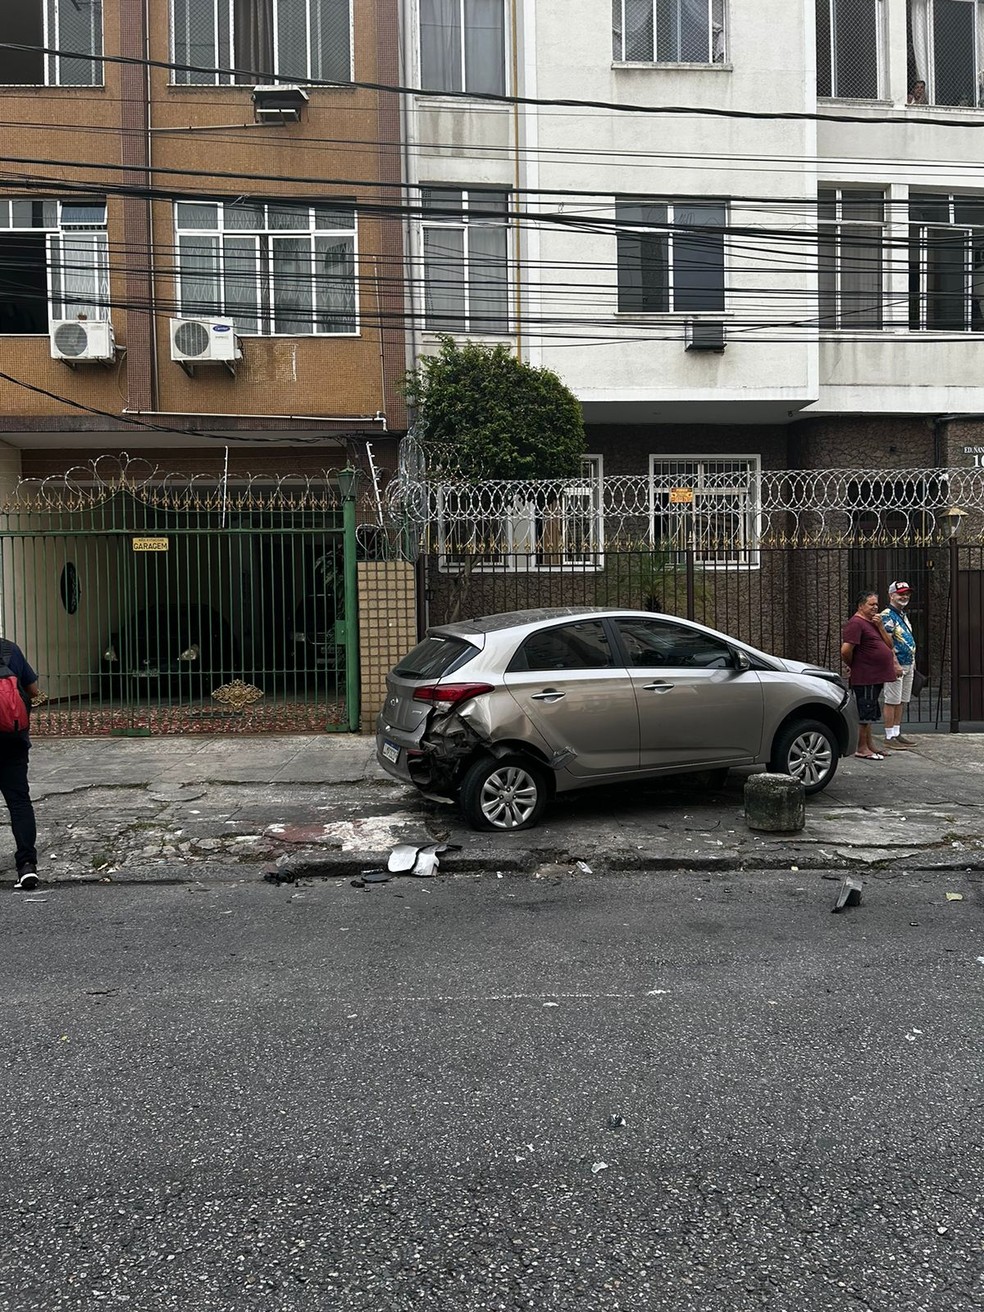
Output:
(17, 794)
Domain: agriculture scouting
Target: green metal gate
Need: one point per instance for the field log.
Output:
(154, 604)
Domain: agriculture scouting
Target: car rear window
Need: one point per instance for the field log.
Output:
(433, 658)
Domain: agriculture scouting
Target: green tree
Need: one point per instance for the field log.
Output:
(482, 414)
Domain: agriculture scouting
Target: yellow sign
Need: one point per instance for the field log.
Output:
(681, 496)
(150, 544)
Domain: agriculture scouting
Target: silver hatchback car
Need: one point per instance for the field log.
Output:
(502, 712)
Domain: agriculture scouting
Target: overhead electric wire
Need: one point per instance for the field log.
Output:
(258, 76)
(307, 439)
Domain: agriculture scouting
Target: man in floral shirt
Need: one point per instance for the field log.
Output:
(898, 693)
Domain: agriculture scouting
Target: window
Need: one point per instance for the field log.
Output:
(670, 255)
(707, 505)
(668, 31)
(499, 528)
(946, 52)
(655, 644)
(56, 245)
(272, 268)
(463, 46)
(71, 30)
(849, 48)
(850, 240)
(227, 41)
(582, 645)
(466, 272)
(946, 263)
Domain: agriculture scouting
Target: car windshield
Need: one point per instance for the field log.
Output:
(433, 658)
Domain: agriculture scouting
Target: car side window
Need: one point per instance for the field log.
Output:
(650, 644)
(580, 646)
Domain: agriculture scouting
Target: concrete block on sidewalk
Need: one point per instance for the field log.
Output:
(775, 803)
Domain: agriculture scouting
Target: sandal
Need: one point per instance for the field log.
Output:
(869, 756)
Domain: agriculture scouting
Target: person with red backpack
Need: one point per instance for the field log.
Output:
(18, 688)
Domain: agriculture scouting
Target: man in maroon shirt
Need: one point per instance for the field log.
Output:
(869, 653)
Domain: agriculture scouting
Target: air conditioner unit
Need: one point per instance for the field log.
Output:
(278, 104)
(705, 335)
(204, 341)
(82, 341)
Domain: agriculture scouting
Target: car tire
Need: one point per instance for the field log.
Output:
(503, 793)
(807, 750)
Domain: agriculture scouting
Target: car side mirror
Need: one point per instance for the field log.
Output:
(741, 661)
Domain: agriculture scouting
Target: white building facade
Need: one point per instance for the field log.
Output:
(745, 231)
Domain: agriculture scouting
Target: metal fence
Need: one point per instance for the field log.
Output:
(159, 604)
(793, 602)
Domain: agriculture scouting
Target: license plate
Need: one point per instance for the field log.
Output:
(391, 752)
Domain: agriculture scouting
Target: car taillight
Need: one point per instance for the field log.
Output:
(449, 694)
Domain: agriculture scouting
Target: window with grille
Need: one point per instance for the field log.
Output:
(502, 529)
(851, 257)
(668, 31)
(54, 260)
(463, 46)
(849, 48)
(670, 255)
(708, 505)
(271, 268)
(65, 39)
(219, 42)
(466, 260)
(946, 52)
(946, 263)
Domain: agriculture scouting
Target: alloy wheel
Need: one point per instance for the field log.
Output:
(810, 757)
(509, 797)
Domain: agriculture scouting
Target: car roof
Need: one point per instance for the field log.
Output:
(520, 621)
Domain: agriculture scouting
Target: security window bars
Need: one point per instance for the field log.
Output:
(463, 46)
(668, 31)
(70, 30)
(670, 256)
(271, 268)
(946, 52)
(466, 253)
(706, 505)
(849, 48)
(219, 42)
(850, 245)
(54, 260)
(946, 263)
(513, 529)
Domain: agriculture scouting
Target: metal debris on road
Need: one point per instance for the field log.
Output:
(849, 894)
(402, 857)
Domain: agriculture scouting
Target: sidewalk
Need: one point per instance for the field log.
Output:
(187, 809)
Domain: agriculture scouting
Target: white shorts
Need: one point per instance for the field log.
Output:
(900, 692)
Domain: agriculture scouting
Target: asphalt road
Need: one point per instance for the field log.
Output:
(411, 1096)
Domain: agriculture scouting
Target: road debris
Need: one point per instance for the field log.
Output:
(849, 894)
(954, 897)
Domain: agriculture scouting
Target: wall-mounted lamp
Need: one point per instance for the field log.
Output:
(347, 480)
(954, 518)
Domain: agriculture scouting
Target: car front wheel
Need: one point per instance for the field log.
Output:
(504, 793)
(808, 751)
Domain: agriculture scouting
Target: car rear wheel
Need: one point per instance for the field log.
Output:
(808, 751)
(503, 793)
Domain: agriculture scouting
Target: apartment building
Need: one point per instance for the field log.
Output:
(749, 234)
(200, 303)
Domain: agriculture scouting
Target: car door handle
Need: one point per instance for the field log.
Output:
(657, 687)
(550, 695)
